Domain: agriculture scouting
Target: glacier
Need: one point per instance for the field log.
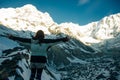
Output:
(91, 54)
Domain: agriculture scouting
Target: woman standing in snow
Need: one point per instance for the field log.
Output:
(38, 46)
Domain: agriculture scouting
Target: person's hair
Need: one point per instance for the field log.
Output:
(39, 34)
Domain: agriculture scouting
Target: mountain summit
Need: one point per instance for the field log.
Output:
(91, 54)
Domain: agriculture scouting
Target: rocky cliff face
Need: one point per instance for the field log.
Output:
(92, 52)
(15, 64)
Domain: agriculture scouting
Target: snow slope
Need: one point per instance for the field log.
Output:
(91, 54)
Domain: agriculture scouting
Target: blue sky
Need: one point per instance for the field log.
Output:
(77, 11)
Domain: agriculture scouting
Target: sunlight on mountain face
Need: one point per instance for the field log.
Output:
(28, 18)
(25, 18)
(88, 44)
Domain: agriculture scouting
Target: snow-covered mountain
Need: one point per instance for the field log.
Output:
(91, 54)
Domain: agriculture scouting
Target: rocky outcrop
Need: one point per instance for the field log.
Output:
(14, 63)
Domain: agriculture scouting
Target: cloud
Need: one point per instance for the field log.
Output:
(82, 2)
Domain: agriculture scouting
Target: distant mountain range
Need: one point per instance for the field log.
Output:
(91, 54)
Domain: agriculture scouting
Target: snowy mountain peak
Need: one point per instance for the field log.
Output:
(29, 18)
(29, 7)
(25, 18)
(108, 27)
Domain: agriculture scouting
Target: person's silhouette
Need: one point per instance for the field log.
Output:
(38, 46)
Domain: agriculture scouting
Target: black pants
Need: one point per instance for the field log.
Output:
(37, 72)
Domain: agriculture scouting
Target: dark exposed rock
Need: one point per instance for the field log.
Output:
(9, 62)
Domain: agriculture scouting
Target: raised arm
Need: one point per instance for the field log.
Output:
(26, 40)
(54, 40)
